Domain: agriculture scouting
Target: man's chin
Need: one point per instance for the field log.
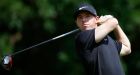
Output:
(87, 28)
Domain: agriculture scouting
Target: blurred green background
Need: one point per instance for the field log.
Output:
(27, 22)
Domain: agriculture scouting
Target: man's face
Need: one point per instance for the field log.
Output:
(86, 21)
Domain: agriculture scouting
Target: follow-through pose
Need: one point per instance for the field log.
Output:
(100, 54)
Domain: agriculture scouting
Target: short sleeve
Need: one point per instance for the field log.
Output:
(86, 39)
(118, 45)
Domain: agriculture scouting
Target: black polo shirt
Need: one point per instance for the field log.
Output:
(99, 58)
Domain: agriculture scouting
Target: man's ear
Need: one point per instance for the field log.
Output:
(97, 18)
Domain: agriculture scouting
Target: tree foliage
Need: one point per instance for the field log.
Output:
(27, 22)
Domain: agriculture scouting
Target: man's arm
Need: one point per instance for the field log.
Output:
(108, 24)
(121, 37)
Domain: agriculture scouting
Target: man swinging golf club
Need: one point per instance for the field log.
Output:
(98, 52)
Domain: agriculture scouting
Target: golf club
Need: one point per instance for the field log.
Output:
(7, 60)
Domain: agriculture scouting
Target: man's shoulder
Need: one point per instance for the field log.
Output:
(86, 32)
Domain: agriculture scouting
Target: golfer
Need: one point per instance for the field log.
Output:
(99, 53)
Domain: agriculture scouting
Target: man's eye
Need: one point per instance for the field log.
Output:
(87, 15)
(79, 16)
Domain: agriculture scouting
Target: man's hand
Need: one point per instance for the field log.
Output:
(107, 24)
(103, 19)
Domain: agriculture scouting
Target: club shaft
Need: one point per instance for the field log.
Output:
(57, 37)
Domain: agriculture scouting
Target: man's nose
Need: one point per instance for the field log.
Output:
(84, 19)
